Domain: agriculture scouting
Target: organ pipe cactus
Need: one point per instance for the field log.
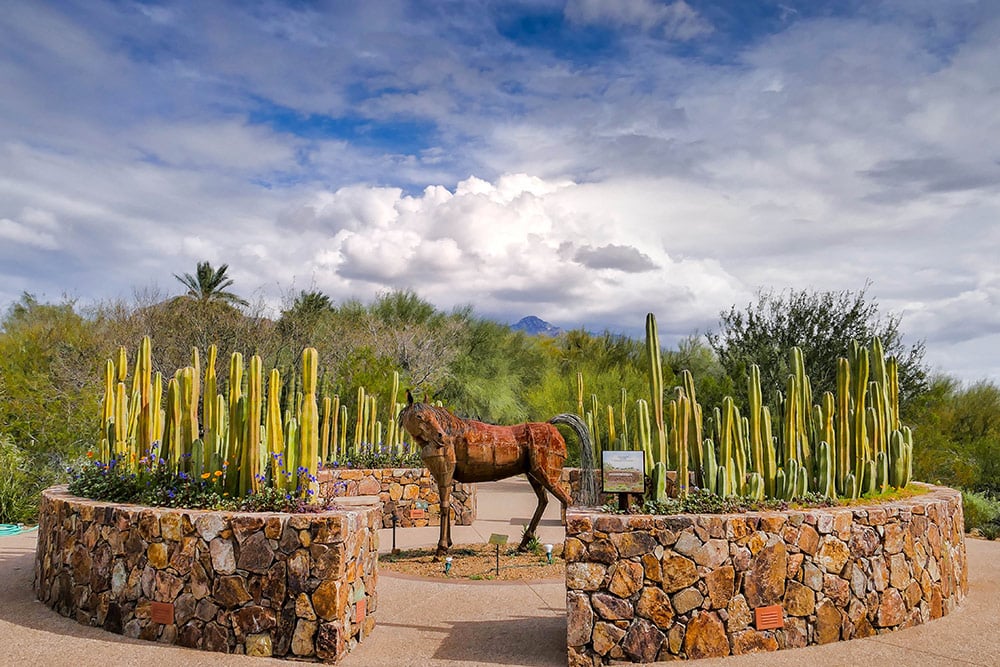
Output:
(274, 430)
(247, 439)
(309, 446)
(653, 356)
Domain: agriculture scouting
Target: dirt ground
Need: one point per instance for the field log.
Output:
(477, 562)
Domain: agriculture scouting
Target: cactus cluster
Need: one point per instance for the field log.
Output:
(848, 444)
(245, 440)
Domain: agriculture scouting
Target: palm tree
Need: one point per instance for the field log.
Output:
(209, 285)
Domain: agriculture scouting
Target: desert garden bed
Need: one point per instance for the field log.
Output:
(646, 588)
(299, 586)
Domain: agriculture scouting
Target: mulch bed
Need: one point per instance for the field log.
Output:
(477, 562)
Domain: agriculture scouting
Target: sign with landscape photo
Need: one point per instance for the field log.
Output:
(623, 472)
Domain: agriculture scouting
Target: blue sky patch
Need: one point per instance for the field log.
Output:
(394, 135)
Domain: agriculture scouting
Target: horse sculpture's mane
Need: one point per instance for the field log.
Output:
(450, 423)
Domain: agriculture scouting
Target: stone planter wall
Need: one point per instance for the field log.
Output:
(401, 490)
(654, 588)
(299, 586)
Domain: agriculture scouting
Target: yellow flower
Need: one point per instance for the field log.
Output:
(218, 473)
(206, 475)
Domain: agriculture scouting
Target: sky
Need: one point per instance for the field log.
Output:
(584, 161)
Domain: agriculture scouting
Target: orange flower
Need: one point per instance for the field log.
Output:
(206, 475)
(90, 455)
(218, 473)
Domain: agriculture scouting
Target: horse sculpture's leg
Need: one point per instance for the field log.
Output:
(539, 488)
(444, 537)
(559, 492)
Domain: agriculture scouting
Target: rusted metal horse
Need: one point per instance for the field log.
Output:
(463, 450)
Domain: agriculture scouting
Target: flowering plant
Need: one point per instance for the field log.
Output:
(153, 483)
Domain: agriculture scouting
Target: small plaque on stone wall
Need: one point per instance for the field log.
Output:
(417, 514)
(162, 612)
(359, 616)
(769, 618)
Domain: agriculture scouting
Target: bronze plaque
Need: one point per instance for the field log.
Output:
(769, 618)
(498, 538)
(162, 612)
(417, 514)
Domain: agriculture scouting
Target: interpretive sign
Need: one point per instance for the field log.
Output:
(498, 538)
(623, 472)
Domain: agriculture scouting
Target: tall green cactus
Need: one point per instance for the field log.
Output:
(653, 355)
(310, 423)
(845, 463)
(644, 434)
(694, 429)
(711, 468)
(274, 431)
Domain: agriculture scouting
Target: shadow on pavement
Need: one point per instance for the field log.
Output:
(519, 640)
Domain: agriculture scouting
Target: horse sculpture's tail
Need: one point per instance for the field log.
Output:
(588, 479)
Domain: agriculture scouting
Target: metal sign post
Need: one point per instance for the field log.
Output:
(498, 539)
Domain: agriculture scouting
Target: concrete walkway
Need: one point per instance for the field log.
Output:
(438, 624)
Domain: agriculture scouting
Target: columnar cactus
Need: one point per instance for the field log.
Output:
(309, 446)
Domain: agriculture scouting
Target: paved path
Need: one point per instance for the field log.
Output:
(454, 624)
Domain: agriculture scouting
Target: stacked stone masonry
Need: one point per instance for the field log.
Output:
(657, 588)
(401, 490)
(296, 586)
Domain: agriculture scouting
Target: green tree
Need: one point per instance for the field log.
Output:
(298, 324)
(956, 429)
(208, 284)
(50, 377)
(822, 324)
(176, 325)
(608, 362)
(492, 372)
(711, 382)
(50, 372)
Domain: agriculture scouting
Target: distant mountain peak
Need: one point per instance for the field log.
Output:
(535, 326)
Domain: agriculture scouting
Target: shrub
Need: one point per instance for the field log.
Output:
(981, 512)
(18, 491)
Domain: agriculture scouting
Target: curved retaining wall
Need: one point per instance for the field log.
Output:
(286, 585)
(653, 588)
(401, 490)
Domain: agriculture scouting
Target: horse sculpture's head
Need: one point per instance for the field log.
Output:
(422, 422)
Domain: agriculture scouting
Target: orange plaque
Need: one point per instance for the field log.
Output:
(417, 514)
(162, 612)
(769, 618)
(359, 616)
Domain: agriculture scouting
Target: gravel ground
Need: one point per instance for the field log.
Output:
(477, 562)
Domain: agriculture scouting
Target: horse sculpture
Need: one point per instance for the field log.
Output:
(464, 450)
